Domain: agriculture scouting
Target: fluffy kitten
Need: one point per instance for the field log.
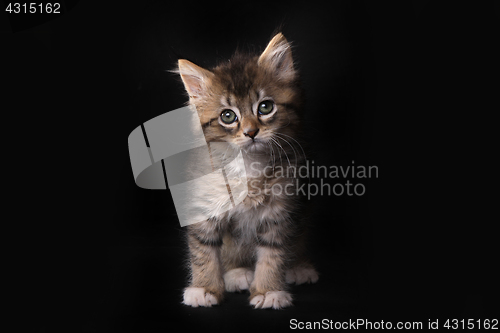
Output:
(253, 101)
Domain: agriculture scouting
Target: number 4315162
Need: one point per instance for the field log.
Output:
(486, 324)
(33, 7)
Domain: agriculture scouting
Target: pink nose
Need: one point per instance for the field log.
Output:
(252, 133)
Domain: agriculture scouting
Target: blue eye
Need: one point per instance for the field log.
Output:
(228, 116)
(265, 107)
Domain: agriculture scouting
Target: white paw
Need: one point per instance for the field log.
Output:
(272, 299)
(238, 279)
(300, 275)
(198, 297)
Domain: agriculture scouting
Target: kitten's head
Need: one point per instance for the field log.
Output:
(250, 100)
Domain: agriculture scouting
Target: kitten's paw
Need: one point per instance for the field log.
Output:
(198, 297)
(238, 279)
(300, 275)
(272, 299)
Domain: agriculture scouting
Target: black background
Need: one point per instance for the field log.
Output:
(406, 86)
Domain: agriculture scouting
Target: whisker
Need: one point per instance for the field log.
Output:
(303, 152)
(271, 152)
(290, 164)
(279, 152)
(291, 146)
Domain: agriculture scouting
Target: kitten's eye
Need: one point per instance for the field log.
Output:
(228, 116)
(265, 107)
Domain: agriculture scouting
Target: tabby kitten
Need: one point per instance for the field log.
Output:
(253, 101)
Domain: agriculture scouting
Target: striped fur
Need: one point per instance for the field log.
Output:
(259, 244)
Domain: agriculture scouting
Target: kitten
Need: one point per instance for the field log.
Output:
(253, 101)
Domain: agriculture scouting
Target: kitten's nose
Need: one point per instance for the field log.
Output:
(252, 133)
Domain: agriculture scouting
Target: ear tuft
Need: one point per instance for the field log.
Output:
(278, 57)
(194, 77)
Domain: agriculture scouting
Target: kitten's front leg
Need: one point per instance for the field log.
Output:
(207, 285)
(268, 287)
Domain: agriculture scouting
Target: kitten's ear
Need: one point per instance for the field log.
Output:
(278, 57)
(194, 77)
